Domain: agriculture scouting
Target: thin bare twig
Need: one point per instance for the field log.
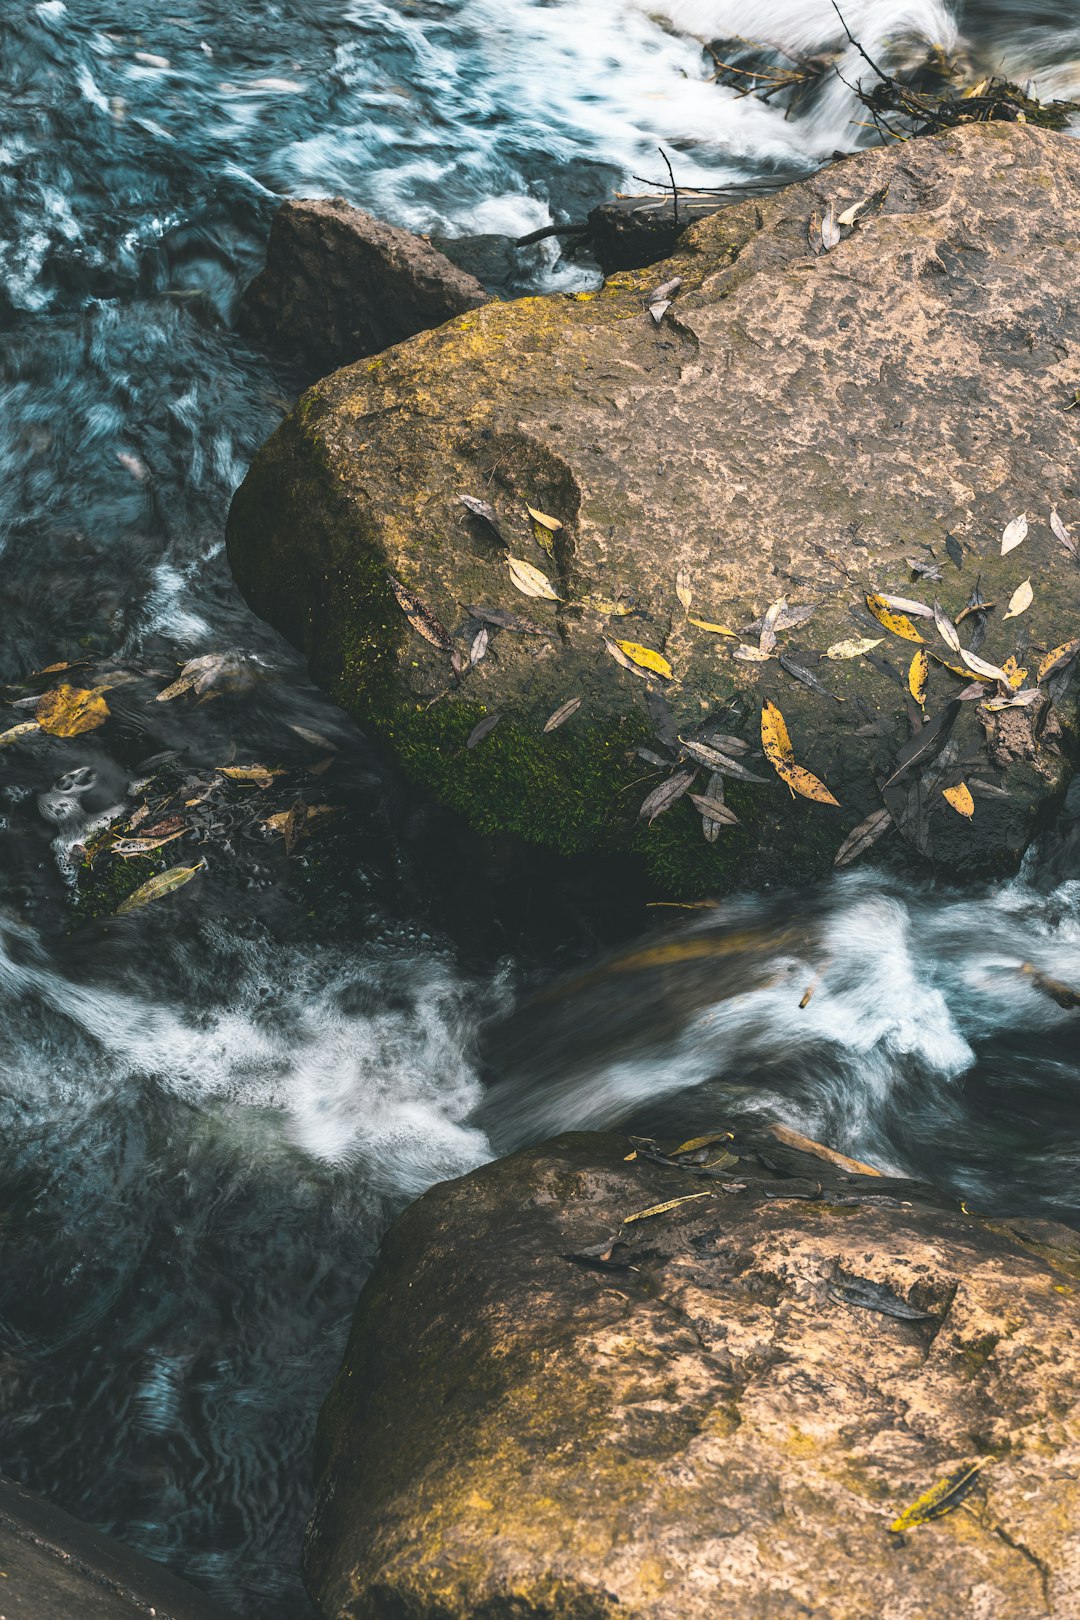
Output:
(674, 189)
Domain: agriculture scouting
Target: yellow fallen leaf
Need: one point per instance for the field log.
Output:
(1020, 601)
(604, 605)
(1017, 676)
(853, 648)
(960, 799)
(898, 623)
(776, 744)
(70, 710)
(804, 782)
(918, 676)
(707, 624)
(662, 1209)
(155, 887)
(1056, 657)
(682, 589)
(250, 773)
(545, 522)
(13, 733)
(530, 581)
(940, 1498)
(646, 658)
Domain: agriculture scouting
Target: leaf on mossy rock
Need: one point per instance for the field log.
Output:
(420, 616)
(708, 624)
(750, 655)
(979, 666)
(918, 676)
(898, 623)
(1054, 660)
(714, 810)
(960, 799)
(481, 729)
(793, 667)
(1016, 673)
(70, 710)
(853, 648)
(562, 713)
(616, 652)
(860, 838)
(553, 525)
(941, 1498)
(717, 761)
(646, 658)
(154, 888)
(129, 848)
(906, 604)
(1020, 601)
(485, 512)
(955, 550)
(946, 629)
(767, 634)
(781, 756)
(663, 797)
(1014, 534)
(530, 581)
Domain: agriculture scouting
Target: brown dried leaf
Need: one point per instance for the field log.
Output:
(563, 713)
(714, 810)
(1062, 533)
(481, 729)
(421, 617)
(717, 761)
(663, 797)
(767, 637)
(861, 837)
(70, 710)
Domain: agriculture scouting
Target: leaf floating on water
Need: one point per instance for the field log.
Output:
(896, 622)
(24, 729)
(800, 673)
(70, 710)
(707, 624)
(646, 658)
(960, 799)
(1019, 602)
(530, 581)
(481, 729)
(941, 1498)
(421, 617)
(955, 550)
(919, 676)
(662, 1209)
(946, 629)
(714, 810)
(854, 648)
(155, 887)
(1062, 532)
(906, 604)
(781, 756)
(979, 666)
(1054, 660)
(563, 713)
(682, 588)
(1014, 534)
(861, 837)
(663, 797)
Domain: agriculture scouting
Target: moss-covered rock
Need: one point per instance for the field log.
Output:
(719, 1411)
(795, 425)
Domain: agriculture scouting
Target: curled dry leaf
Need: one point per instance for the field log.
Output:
(941, 1498)
(918, 676)
(563, 713)
(663, 797)
(1054, 660)
(1018, 700)
(1017, 675)
(485, 512)
(853, 648)
(421, 617)
(781, 756)
(767, 636)
(960, 799)
(861, 837)
(946, 629)
(1062, 533)
(682, 588)
(707, 624)
(155, 887)
(858, 211)
(924, 570)
(1020, 600)
(481, 729)
(646, 658)
(665, 290)
(659, 309)
(1014, 534)
(896, 622)
(70, 710)
(530, 581)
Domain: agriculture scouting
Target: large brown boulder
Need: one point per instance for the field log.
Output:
(720, 1409)
(795, 425)
(339, 284)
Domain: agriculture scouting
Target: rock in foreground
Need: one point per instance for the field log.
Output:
(339, 284)
(795, 425)
(715, 1410)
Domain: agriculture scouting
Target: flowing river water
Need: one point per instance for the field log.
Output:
(211, 1108)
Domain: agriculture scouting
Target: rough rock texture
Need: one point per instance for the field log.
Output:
(339, 284)
(706, 1430)
(796, 426)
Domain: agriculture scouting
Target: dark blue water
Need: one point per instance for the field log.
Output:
(211, 1108)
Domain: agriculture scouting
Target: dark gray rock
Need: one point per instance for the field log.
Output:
(339, 284)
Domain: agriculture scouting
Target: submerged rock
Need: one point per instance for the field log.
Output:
(719, 1409)
(794, 424)
(339, 284)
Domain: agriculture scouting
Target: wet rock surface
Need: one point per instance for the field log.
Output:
(794, 425)
(550, 1409)
(339, 284)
